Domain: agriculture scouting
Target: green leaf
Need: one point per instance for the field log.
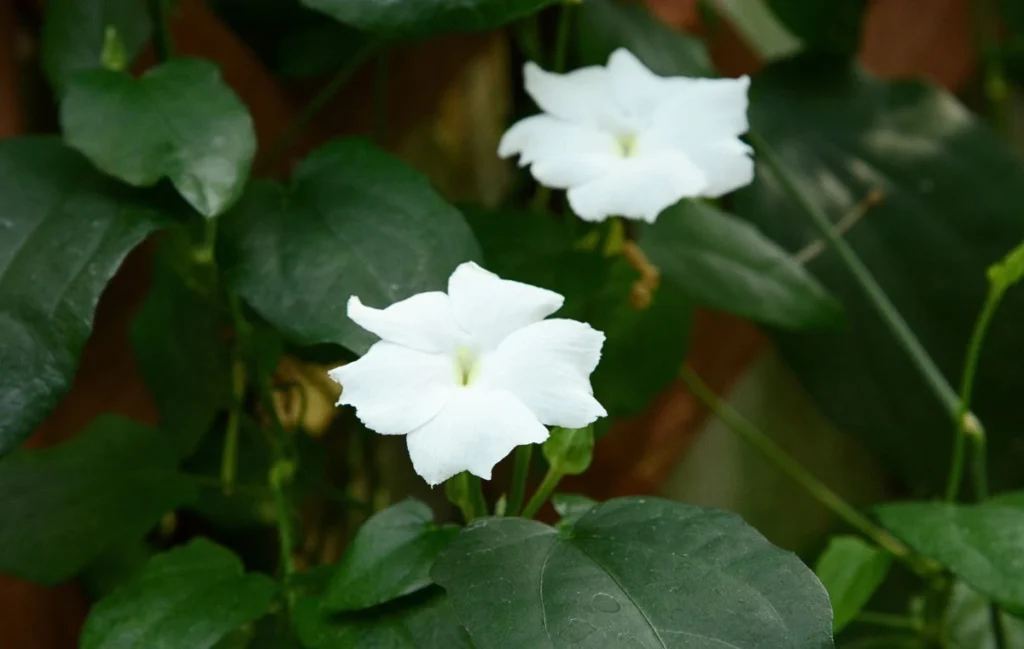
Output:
(355, 221)
(178, 121)
(606, 25)
(390, 556)
(728, 265)
(111, 482)
(421, 621)
(969, 622)
(178, 339)
(571, 507)
(64, 230)
(188, 598)
(981, 544)
(74, 34)
(832, 26)
(951, 193)
(422, 17)
(633, 572)
(851, 571)
(569, 450)
(1009, 271)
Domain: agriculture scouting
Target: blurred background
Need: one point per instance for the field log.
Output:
(442, 106)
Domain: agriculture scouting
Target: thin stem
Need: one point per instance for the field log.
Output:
(967, 425)
(997, 88)
(540, 199)
(888, 621)
(782, 461)
(162, 41)
(520, 473)
(229, 456)
(885, 308)
(998, 632)
(281, 474)
(315, 105)
(544, 491)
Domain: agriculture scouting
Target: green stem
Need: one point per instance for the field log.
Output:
(998, 632)
(888, 621)
(162, 41)
(967, 425)
(782, 461)
(280, 146)
(281, 474)
(544, 491)
(996, 86)
(229, 457)
(885, 308)
(520, 473)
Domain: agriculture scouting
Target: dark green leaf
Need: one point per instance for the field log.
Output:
(728, 265)
(980, 544)
(64, 230)
(179, 343)
(65, 505)
(571, 507)
(606, 25)
(969, 622)
(390, 556)
(832, 26)
(74, 32)
(421, 17)
(851, 570)
(178, 121)
(355, 221)
(1008, 499)
(319, 47)
(952, 196)
(569, 450)
(634, 572)
(188, 598)
(421, 621)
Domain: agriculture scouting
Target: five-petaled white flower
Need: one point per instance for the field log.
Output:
(469, 375)
(626, 142)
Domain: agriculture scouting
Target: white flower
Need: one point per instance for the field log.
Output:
(469, 375)
(626, 142)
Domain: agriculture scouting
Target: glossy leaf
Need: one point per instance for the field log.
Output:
(569, 450)
(421, 17)
(951, 207)
(606, 25)
(179, 343)
(851, 571)
(112, 481)
(355, 221)
(832, 26)
(178, 121)
(640, 572)
(980, 544)
(571, 507)
(74, 33)
(64, 230)
(188, 598)
(969, 622)
(729, 265)
(390, 556)
(421, 621)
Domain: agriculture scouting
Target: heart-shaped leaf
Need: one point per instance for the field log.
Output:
(851, 571)
(188, 598)
(74, 32)
(421, 17)
(64, 230)
(980, 544)
(355, 221)
(832, 26)
(727, 264)
(391, 556)
(951, 194)
(634, 572)
(64, 506)
(178, 121)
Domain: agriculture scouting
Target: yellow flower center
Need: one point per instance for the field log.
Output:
(466, 366)
(627, 145)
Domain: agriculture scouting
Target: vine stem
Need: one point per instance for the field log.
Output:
(997, 88)
(881, 302)
(544, 491)
(162, 41)
(229, 457)
(520, 472)
(782, 461)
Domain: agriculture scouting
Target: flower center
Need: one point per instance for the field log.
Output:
(466, 366)
(627, 145)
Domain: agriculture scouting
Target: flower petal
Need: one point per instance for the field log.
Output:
(542, 137)
(490, 308)
(727, 165)
(639, 187)
(474, 431)
(424, 321)
(580, 96)
(702, 110)
(635, 88)
(396, 389)
(547, 365)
